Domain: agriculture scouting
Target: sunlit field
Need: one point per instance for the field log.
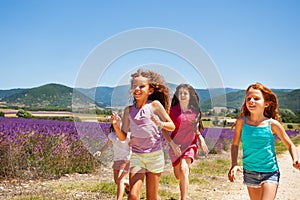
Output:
(32, 149)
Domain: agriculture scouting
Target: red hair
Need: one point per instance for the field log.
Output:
(272, 111)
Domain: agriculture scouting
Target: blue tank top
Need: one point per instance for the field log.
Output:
(258, 148)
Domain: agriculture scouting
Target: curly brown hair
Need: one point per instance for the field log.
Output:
(272, 111)
(158, 83)
(194, 103)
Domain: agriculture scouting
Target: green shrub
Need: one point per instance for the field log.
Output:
(23, 114)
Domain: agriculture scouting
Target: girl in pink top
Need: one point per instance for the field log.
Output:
(186, 115)
(145, 119)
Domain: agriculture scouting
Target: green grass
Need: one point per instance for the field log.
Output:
(85, 186)
(219, 166)
(280, 146)
(203, 174)
(168, 178)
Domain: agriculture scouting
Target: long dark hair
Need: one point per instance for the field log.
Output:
(194, 103)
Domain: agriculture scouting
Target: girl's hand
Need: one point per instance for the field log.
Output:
(204, 147)
(176, 148)
(296, 164)
(202, 144)
(232, 172)
(157, 121)
(97, 154)
(115, 119)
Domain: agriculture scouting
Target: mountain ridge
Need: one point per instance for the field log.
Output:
(57, 96)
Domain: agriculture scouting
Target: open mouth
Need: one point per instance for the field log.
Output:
(251, 106)
(137, 94)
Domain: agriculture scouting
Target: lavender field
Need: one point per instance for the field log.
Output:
(47, 147)
(31, 148)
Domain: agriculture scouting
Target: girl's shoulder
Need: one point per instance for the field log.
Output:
(175, 107)
(240, 119)
(238, 125)
(128, 109)
(155, 104)
(275, 123)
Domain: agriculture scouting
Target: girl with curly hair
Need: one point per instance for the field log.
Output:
(145, 120)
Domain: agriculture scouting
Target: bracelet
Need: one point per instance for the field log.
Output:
(162, 124)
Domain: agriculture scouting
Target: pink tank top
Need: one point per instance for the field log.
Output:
(145, 136)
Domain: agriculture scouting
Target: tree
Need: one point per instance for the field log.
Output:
(24, 114)
(224, 123)
(290, 126)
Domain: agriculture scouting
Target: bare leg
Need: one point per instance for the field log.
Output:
(266, 192)
(269, 191)
(119, 177)
(152, 182)
(255, 193)
(136, 180)
(182, 171)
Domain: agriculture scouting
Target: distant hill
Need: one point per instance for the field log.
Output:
(288, 99)
(60, 96)
(49, 96)
(118, 96)
(7, 93)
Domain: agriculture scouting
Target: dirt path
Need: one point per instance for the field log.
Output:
(288, 187)
(218, 189)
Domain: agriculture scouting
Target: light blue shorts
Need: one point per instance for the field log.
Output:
(256, 179)
(147, 162)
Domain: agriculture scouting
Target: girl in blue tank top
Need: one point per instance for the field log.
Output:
(258, 122)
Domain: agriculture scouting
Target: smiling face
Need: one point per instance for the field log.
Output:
(255, 101)
(184, 96)
(140, 88)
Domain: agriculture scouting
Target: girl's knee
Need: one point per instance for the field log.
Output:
(119, 181)
(184, 169)
(133, 197)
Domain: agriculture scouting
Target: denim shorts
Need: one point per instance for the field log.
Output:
(256, 179)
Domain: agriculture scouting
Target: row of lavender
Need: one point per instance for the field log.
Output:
(219, 139)
(49, 147)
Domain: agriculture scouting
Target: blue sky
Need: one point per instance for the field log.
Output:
(248, 41)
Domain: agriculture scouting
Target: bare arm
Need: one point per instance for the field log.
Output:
(165, 121)
(202, 143)
(235, 150)
(236, 141)
(104, 148)
(115, 120)
(279, 130)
